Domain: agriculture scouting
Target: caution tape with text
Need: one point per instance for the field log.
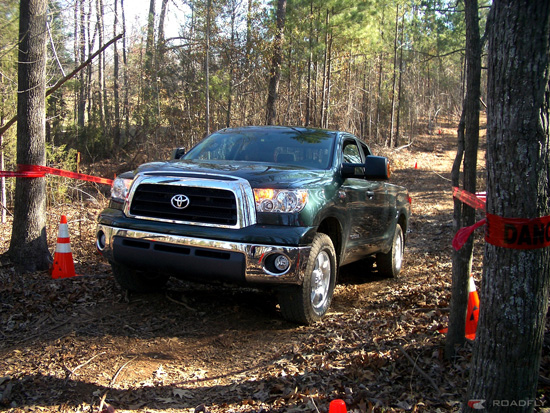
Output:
(516, 233)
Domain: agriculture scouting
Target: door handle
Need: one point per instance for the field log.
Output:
(370, 194)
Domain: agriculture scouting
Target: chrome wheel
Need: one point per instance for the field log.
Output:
(320, 282)
(389, 264)
(399, 247)
(308, 303)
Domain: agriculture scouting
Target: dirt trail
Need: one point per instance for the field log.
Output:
(80, 344)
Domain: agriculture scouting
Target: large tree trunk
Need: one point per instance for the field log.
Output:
(515, 289)
(276, 62)
(464, 215)
(28, 247)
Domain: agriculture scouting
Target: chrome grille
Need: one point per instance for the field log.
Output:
(206, 205)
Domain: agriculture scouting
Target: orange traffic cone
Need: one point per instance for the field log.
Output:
(337, 406)
(472, 314)
(63, 264)
(416, 165)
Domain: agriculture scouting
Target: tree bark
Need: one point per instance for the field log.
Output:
(324, 89)
(102, 99)
(515, 290)
(207, 69)
(394, 78)
(81, 110)
(276, 62)
(464, 215)
(3, 202)
(28, 248)
(116, 85)
(309, 98)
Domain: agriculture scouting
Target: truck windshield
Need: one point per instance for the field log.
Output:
(308, 148)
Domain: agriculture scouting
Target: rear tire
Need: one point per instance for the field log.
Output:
(309, 302)
(138, 281)
(389, 265)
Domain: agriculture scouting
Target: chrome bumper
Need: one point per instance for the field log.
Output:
(255, 255)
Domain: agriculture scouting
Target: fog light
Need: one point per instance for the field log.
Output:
(101, 240)
(281, 263)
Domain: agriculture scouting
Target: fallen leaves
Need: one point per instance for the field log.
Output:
(65, 345)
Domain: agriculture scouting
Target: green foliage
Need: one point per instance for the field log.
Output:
(352, 60)
(60, 157)
(9, 29)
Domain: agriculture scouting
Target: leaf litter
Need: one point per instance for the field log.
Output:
(84, 345)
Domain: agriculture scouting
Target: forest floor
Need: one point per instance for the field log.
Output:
(83, 345)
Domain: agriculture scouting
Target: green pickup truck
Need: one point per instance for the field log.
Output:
(278, 207)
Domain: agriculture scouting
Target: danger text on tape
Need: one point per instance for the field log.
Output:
(518, 233)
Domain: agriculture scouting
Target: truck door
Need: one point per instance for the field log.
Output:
(365, 203)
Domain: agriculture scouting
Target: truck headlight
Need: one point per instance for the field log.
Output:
(120, 189)
(280, 200)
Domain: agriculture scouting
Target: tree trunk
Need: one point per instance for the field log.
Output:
(207, 69)
(464, 215)
(394, 79)
(126, 99)
(161, 47)
(116, 86)
(329, 81)
(28, 248)
(377, 119)
(324, 89)
(515, 290)
(149, 85)
(276, 62)
(82, 56)
(397, 138)
(309, 98)
(100, 66)
(231, 67)
(88, 95)
(3, 203)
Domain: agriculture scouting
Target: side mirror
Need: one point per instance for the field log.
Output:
(353, 170)
(178, 153)
(375, 167)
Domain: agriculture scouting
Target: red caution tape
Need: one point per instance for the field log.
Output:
(11, 174)
(36, 171)
(463, 234)
(515, 233)
(475, 201)
(518, 233)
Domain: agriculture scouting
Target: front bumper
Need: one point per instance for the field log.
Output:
(184, 256)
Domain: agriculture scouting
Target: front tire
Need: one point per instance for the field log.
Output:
(138, 281)
(309, 302)
(389, 265)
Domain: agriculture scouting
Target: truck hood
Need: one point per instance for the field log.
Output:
(259, 174)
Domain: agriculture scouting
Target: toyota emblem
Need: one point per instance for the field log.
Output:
(180, 201)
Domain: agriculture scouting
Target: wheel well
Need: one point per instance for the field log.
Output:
(332, 227)
(402, 221)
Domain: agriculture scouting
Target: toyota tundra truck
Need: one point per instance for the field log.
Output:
(268, 206)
